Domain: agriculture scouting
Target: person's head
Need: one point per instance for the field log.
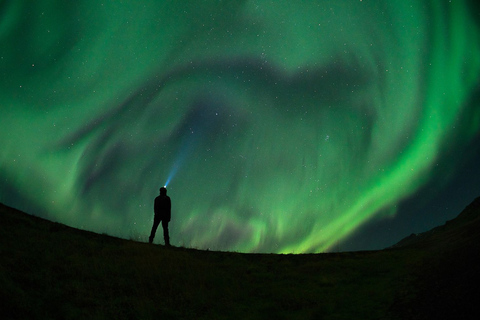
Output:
(163, 191)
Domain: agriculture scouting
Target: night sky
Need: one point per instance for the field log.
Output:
(277, 126)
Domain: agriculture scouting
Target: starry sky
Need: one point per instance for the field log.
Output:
(277, 126)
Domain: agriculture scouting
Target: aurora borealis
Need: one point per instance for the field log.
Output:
(284, 125)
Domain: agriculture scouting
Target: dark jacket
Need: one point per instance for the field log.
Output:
(162, 207)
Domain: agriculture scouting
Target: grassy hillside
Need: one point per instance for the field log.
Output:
(50, 271)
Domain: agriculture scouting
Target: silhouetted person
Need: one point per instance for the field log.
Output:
(162, 208)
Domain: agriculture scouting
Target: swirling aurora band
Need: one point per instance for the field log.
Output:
(289, 124)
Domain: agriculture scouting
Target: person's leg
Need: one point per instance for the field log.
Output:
(166, 237)
(154, 229)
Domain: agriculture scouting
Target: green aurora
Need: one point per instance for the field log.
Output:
(284, 125)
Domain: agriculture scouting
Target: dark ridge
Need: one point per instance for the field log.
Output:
(457, 225)
(51, 271)
(447, 280)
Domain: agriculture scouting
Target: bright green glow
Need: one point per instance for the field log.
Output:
(291, 123)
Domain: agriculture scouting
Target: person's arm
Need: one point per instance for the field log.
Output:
(169, 209)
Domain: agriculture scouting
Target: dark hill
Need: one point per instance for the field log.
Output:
(447, 279)
(51, 271)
